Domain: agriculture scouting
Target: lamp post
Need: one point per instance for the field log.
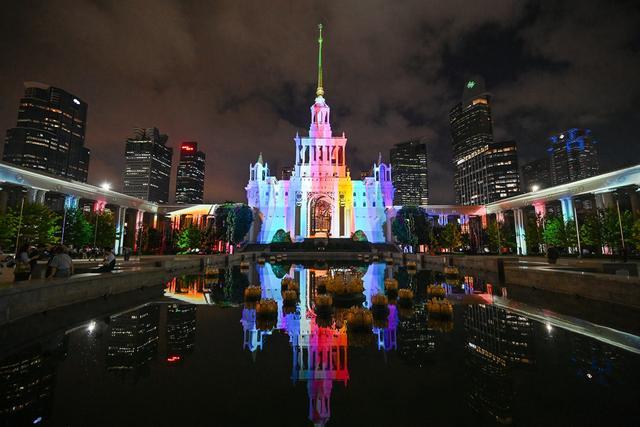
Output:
(20, 219)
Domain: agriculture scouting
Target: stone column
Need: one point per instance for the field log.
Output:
(390, 214)
(521, 241)
(32, 194)
(567, 208)
(541, 209)
(120, 221)
(604, 200)
(40, 195)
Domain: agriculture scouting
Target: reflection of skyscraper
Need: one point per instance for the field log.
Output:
(27, 380)
(415, 341)
(133, 338)
(181, 330)
(497, 341)
(593, 360)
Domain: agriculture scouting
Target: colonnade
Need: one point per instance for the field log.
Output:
(603, 200)
(38, 196)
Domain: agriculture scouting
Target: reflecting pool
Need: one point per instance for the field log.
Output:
(202, 355)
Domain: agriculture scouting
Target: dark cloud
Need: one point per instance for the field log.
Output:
(239, 76)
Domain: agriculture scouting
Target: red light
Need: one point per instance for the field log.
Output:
(187, 148)
(173, 359)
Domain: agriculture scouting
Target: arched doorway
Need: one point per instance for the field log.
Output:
(320, 218)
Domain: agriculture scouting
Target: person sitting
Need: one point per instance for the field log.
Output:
(109, 261)
(61, 264)
(23, 264)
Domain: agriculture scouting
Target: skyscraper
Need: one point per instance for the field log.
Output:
(49, 135)
(536, 175)
(574, 156)
(190, 178)
(503, 179)
(483, 170)
(147, 165)
(410, 176)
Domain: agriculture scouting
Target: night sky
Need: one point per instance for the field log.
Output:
(239, 76)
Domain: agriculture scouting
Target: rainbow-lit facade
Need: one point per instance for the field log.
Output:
(320, 199)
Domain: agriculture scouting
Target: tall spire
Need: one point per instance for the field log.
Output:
(320, 90)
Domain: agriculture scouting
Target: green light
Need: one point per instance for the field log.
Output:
(470, 84)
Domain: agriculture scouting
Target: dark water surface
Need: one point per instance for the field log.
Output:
(203, 359)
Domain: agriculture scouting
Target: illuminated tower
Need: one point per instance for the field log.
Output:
(573, 156)
(320, 199)
(147, 166)
(190, 177)
(484, 171)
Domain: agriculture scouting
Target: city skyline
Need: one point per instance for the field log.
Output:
(541, 90)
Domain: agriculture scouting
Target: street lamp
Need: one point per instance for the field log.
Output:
(105, 186)
(535, 187)
(24, 191)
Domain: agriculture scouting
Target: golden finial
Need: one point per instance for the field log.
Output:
(320, 90)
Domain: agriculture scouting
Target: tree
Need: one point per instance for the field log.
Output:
(507, 235)
(39, 225)
(533, 232)
(591, 232)
(242, 220)
(151, 239)
(8, 230)
(189, 238)
(493, 236)
(635, 234)
(411, 226)
(281, 236)
(571, 238)
(105, 233)
(232, 222)
(359, 236)
(555, 232)
(611, 224)
(77, 230)
(451, 237)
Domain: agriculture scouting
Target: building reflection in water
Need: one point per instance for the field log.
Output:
(387, 336)
(133, 340)
(181, 331)
(27, 381)
(497, 342)
(319, 353)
